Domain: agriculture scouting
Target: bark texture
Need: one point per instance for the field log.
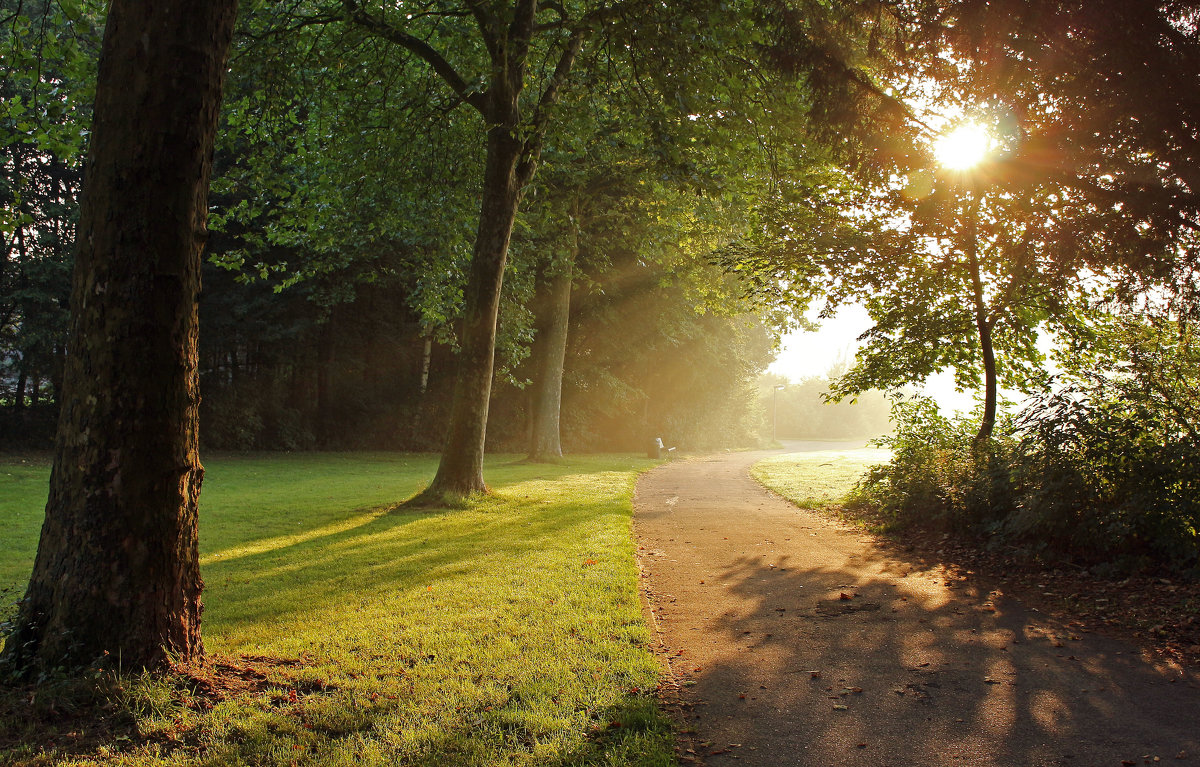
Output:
(460, 471)
(983, 325)
(552, 315)
(117, 575)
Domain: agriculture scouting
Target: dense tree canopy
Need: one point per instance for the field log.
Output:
(582, 225)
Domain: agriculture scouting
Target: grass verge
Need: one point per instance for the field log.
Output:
(345, 630)
(817, 480)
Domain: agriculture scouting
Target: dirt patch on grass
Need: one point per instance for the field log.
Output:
(220, 677)
(91, 715)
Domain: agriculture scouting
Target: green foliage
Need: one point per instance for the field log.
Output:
(508, 632)
(345, 169)
(1103, 470)
(939, 475)
(1109, 466)
(47, 60)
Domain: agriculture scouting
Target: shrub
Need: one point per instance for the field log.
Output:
(1105, 470)
(938, 475)
(1110, 473)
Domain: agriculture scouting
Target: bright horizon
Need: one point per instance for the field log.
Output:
(813, 353)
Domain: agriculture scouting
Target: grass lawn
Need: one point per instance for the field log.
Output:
(506, 633)
(817, 480)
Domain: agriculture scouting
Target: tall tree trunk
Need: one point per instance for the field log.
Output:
(460, 471)
(426, 358)
(552, 314)
(117, 576)
(325, 358)
(22, 379)
(983, 326)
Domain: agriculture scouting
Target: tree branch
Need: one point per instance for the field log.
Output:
(418, 47)
(487, 28)
(541, 114)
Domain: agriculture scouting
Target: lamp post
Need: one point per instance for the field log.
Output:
(775, 409)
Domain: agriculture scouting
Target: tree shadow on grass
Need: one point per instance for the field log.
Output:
(501, 632)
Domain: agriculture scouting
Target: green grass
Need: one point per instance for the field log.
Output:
(817, 480)
(506, 633)
(23, 483)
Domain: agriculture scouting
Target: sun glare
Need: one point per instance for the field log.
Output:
(964, 147)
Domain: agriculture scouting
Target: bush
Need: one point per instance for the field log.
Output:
(1104, 471)
(938, 475)
(1111, 476)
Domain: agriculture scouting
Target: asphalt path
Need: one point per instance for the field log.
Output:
(794, 639)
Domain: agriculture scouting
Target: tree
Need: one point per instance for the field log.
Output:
(1101, 96)
(552, 312)
(48, 53)
(1089, 180)
(515, 134)
(116, 578)
(968, 284)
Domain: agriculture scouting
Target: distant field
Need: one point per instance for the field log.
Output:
(819, 479)
(508, 633)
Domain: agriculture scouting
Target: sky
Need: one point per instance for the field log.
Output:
(810, 354)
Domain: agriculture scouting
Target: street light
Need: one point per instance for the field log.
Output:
(775, 408)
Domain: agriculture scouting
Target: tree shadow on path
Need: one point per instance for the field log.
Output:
(805, 642)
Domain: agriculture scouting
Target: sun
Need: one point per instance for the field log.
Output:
(964, 147)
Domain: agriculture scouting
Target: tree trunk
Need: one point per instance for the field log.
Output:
(552, 313)
(426, 358)
(22, 379)
(325, 360)
(990, 385)
(117, 577)
(460, 472)
(984, 326)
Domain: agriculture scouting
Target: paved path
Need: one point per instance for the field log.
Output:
(805, 642)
